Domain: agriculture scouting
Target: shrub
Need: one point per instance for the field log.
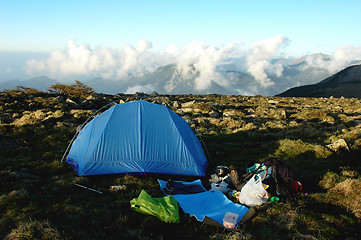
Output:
(78, 89)
(292, 148)
(28, 90)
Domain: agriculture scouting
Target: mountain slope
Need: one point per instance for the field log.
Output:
(40, 83)
(346, 83)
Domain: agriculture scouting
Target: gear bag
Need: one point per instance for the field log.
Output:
(281, 174)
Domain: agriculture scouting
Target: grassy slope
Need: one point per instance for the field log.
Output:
(37, 199)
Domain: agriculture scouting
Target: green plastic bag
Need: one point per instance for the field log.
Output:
(165, 208)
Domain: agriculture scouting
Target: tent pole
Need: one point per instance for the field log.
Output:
(80, 128)
(87, 188)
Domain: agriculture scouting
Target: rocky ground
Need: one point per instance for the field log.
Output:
(318, 137)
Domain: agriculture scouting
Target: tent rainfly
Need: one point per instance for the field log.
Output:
(137, 137)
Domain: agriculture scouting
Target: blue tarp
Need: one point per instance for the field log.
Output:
(137, 137)
(214, 205)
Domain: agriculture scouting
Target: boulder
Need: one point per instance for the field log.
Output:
(229, 113)
(337, 145)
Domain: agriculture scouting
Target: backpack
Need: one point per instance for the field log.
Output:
(280, 182)
(282, 176)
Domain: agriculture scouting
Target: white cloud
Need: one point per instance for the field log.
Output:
(259, 59)
(197, 62)
(344, 56)
(341, 58)
(109, 63)
(82, 60)
(205, 60)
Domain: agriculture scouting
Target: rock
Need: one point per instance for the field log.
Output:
(188, 104)
(283, 113)
(71, 102)
(117, 188)
(91, 97)
(187, 110)
(176, 104)
(229, 113)
(339, 144)
(86, 104)
(272, 101)
(214, 114)
(23, 175)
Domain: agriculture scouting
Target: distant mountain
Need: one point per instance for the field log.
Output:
(231, 77)
(346, 83)
(308, 58)
(40, 83)
(166, 79)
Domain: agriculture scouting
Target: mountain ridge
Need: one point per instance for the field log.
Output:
(345, 83)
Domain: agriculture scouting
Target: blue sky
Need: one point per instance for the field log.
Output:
(310, 26)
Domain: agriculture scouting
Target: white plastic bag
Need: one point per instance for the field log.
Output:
(253, 192)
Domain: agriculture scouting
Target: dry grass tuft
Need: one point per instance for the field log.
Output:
(350, 190)
(33, 230)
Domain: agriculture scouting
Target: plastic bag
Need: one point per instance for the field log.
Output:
(253, 193)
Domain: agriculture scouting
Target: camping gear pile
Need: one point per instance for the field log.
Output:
(231, 197)
(271, 180)
(146, 138)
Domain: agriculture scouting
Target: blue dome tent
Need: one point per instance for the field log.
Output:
(137, 137)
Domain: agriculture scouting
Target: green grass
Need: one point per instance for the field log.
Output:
(39, 201)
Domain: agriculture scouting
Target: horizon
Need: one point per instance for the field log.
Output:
(68, 40)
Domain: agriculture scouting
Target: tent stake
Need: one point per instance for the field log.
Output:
(87, 188)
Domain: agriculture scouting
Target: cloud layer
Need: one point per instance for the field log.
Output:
(257, 61)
